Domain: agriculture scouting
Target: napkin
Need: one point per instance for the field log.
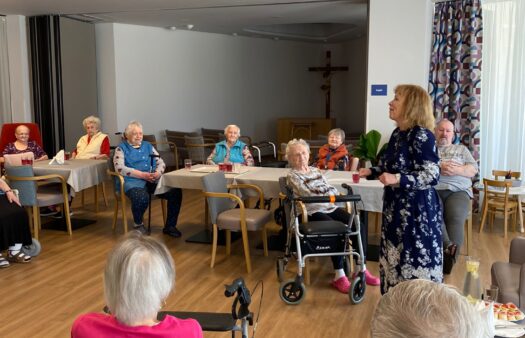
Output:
(487, 314)
(59, 158)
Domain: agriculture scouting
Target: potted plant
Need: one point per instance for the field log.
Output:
(367, 149)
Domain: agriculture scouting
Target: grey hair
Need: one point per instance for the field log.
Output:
(421, 308)
(296, 142)
(338, 131)
(91, 119)
(131, 126)
(232, 126)
(139, 276)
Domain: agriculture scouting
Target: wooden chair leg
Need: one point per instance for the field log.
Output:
(469, 232)
(124, 217)
(228, 242)
(83, 198)
(246, 246)
(36, 220)
(115, 214)
(306, 271)
(104, 193)
(214, 245)
(164, 207)
(68, 217)
(506, 216)
(483, 218)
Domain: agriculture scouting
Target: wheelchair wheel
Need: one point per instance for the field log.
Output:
(292, 293)
(280, 264)
(357, 288)
(32, 249)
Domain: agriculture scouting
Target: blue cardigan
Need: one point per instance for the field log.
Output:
(235, 152)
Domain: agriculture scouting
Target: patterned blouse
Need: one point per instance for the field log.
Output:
(32, 147)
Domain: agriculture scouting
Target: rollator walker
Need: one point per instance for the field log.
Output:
(320, 238)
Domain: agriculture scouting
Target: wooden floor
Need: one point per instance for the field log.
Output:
(43, 298)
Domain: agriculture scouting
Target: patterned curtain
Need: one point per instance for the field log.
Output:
(455, 68)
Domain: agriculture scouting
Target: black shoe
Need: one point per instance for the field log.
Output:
(47, 211)
(142, 229)
(172, 231)
(449, 258)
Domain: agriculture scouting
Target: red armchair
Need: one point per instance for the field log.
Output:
(8, 134)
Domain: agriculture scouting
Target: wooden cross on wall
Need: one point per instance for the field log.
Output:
(327, 70)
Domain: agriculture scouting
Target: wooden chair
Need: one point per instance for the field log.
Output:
(33, 196)
(177, 139)
(468, 225)
(120, 197)
(169, 156)
(496, 200)
(224, 214)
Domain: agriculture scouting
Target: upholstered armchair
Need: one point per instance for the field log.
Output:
(510, 276)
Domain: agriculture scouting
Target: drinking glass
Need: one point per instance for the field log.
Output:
(187, 163)
(491, 293)
(67, 155)
(355, 176)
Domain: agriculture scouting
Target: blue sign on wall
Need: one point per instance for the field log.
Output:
(379, 90)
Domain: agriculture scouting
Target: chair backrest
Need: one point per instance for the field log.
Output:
(150, 138)
(8, 134)
(216, 182)
(26, 189)
(494, 189)
(517, 251)
(15, 160)
(212, 135)
(502, 173)
(196, 149)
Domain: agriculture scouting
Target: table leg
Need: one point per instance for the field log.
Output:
(520, 211)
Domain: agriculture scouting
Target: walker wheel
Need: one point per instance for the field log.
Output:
(357, 288)
(291, 292)
(280, 268)
(32, 249)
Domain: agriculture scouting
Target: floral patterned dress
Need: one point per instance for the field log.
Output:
(411, 244)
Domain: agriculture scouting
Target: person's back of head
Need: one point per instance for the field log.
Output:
(139, 276)
(423, 309)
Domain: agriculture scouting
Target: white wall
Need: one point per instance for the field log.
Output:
(398, 52)
(18, 68)
(186, 80)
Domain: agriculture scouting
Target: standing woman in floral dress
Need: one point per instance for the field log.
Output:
(411, 244)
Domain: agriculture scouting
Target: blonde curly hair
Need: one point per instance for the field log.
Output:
(417, 106)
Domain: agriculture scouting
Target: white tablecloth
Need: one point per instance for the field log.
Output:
(79, 174)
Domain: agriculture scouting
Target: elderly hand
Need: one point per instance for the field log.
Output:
(364, 172)
(449, 168)
(11, 197)
(388, 179)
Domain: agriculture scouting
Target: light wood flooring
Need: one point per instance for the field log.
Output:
(43, 298)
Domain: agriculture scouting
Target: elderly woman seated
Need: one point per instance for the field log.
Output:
(14, 228)
(422, 308)
(308, 181)
(334, 155)
(23, 145)
(94, 145)
(141, 166)
(455, 190)
(138, 279)
(232, 150)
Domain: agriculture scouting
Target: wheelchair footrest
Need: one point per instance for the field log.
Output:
(209, 321)
(324, 228)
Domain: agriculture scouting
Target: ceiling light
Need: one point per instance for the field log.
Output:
(189, 26)
(234, 34)
(172, 28)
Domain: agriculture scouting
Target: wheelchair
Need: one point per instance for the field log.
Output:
(320, 238)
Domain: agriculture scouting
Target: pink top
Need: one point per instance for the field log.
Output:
(101, 325)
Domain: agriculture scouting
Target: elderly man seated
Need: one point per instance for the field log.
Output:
(454, 188)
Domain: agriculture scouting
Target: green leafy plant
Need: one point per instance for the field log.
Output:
(367, 148)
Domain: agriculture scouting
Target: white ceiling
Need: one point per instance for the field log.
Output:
(306, 20)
